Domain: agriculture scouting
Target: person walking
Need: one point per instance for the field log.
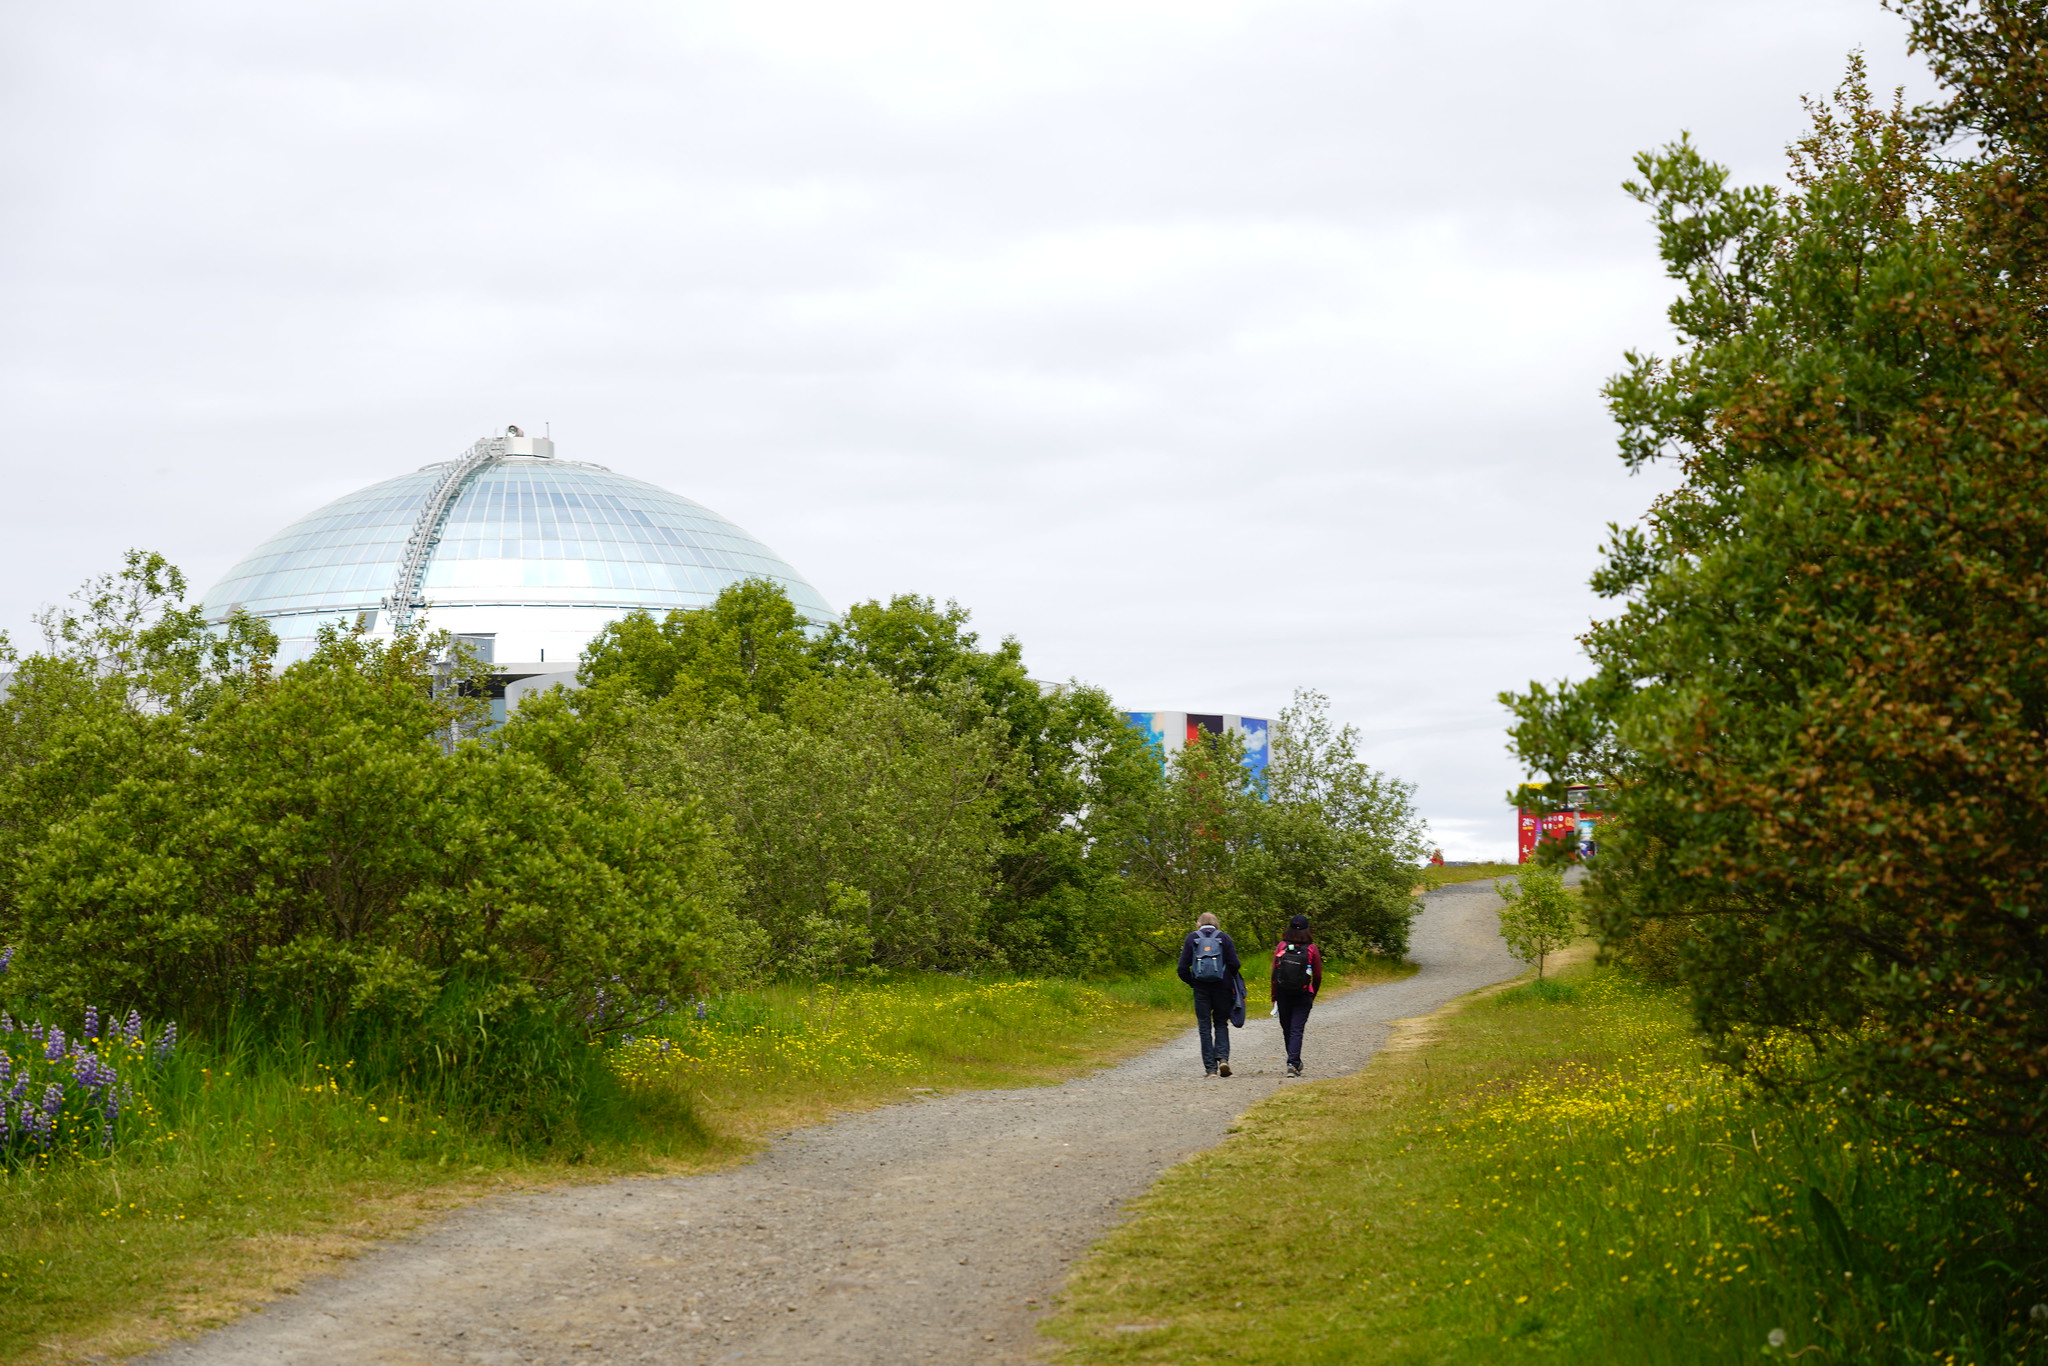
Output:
(1297, 976)
(1208, 964)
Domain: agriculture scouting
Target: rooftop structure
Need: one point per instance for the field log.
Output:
(525, 555)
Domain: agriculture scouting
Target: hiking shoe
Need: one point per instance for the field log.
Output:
(1223, 1069)
(1293, 1069)
(1210, 1073)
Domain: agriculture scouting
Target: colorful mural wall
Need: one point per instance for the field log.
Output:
(1170, 732)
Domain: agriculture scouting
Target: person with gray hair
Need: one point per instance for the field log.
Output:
(1208, 964)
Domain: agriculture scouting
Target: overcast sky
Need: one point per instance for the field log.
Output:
(1212, 347)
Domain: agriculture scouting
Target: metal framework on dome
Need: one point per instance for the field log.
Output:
(404, 600)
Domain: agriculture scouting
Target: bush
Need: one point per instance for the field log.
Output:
(1537, 917)
(321, 854)
(1820, 707)
(1339, 841)
(863, 822)
(309, 847)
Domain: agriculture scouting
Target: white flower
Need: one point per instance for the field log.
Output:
(2039, 1313)
(1776, 1337)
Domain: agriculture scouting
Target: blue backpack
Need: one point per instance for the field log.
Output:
(1208, 964)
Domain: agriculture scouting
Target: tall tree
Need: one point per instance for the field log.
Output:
(1190, 844)
(1059, 901)
(750, 648)
(1340, 841)
(1821, 706)
(863, 822)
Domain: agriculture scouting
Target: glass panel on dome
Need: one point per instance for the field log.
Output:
(541, 532)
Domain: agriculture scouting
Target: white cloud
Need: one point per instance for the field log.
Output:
(1210, 347)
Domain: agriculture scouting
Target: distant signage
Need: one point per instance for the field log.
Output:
(1577, 826)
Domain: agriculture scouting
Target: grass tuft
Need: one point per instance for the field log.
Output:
(1542, 991)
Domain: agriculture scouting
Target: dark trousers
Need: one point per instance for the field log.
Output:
(1294, 1009)
(1212, 1022)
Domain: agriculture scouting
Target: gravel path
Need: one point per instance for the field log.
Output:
(933, 1231)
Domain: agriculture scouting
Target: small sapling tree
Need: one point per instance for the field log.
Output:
(1537, 917)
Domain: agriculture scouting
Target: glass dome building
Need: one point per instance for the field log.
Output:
(525, 555)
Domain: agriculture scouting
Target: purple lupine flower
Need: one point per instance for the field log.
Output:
(166, 1042)
(6, 958)
(91, 1070)
(92, 1022)
(46, 1117)
(53, 1049)
(40, 1122)
(132, 1031)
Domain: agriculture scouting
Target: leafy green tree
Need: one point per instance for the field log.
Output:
(864, 823)
(1191, 845)
(1340, 842)
(750, 648)
(1820, 706)
(1537, 917)
(922, 648)
(1059, 903)
(121, 671)
(321, 854)
(1062, 903)
(309, 847)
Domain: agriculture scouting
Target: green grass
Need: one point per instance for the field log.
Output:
(247, 1168)
(796, 1053)
(1551, 1172)
(1443, 877)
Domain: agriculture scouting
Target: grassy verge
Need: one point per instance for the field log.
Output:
(1433, 878)
(1552, 1172)
(244, 1171)
(796, 1054)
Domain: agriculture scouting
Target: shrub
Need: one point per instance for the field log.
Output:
(863, 822)
(1820, 707)
(1537, 917)
(1339, 841)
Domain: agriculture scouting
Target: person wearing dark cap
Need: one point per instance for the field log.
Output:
(1297, 976)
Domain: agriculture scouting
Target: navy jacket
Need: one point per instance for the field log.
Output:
(1231, 967)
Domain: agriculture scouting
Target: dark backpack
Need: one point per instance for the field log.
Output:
(1208, 964)
(1291, 970)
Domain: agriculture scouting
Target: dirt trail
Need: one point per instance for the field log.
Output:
(930, 1231)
